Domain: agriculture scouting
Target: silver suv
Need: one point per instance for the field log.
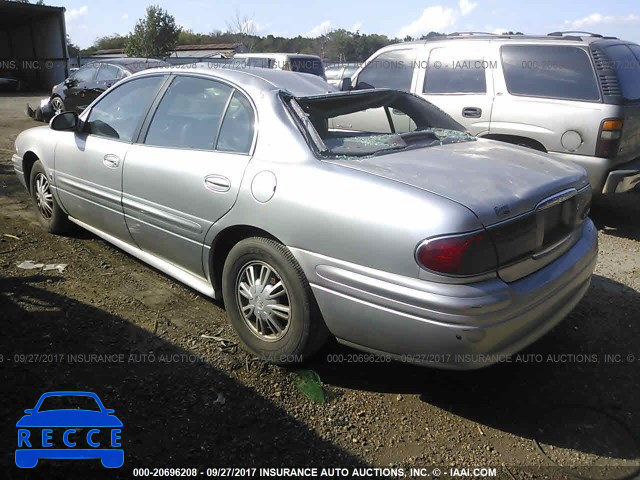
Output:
(575, 95)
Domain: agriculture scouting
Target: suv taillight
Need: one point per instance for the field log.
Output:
(609, 138)
(461, 255)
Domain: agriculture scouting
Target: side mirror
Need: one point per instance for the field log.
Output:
(109, 411)
(68, 82)
(64, 122)
(29, 411)
(345, 84)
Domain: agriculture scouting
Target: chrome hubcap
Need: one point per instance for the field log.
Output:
(44, 199)
(264, 301)
(58, 106)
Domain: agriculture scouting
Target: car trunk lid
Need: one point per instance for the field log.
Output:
(494, 180)
(531, 205)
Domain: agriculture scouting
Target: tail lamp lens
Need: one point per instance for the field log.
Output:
(461, 255)
(609, 138)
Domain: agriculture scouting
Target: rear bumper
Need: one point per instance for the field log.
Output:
(625, 178)
(604, 175)
(446, 325)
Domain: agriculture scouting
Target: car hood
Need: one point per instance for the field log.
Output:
(495, 180)
(69, 418)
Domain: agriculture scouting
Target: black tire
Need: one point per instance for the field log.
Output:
(52, 218)
(57, 105)
(305, 332)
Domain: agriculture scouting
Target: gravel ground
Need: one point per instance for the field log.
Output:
(186, 401)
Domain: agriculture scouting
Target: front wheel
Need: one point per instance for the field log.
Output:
(57, 105)
(50, 215)
(269, 302)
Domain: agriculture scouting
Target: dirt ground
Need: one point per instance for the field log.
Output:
(186, 401)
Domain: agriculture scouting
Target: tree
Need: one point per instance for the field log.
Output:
(155, 35)
(243, 29)
(72, 48)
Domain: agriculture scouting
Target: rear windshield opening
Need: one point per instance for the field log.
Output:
(367, 123)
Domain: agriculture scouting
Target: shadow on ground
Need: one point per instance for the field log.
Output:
(574, 389)
(168, 409)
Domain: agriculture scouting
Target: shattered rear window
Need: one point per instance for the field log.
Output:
(373, 122)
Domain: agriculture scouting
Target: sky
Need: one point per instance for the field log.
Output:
(88, 20)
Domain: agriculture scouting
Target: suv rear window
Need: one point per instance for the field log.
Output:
(625, 59)
(307, 65)
(550, 71)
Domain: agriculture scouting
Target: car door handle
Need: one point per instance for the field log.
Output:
(472, 112)
(111, 161)
(217, 183)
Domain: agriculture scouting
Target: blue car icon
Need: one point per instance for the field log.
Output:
(69, 425)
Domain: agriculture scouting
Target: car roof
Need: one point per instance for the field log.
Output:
(254, 79)
(127, 61)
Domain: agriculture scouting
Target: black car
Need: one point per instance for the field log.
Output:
(13, 81)
(87, 83)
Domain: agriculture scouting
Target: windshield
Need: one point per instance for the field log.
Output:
(69, 402)
(373, 122)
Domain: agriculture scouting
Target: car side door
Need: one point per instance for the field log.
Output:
(459, 80)
(186, 170)
(88, 164)
(75, 86)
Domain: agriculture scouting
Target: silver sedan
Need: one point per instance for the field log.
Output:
(415, 240)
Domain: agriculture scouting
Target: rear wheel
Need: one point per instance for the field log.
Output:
(49, 213)
(269, 302)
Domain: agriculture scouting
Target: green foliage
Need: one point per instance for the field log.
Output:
(155, 35)
(72, 48)
(338, 45)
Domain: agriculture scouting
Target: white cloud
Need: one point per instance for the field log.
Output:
(319, 29)
(356, 27)
(600, 19)
(467, 6)
(76, 12)
(125, 16)
(433, 19)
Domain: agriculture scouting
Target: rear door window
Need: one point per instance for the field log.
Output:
(449, 73)
(625, 59)
(236, 132)
(549, 71)
(189, 115)
(393, 69)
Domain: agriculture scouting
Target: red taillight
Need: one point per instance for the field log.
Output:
(464, 255)
(609, 138)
